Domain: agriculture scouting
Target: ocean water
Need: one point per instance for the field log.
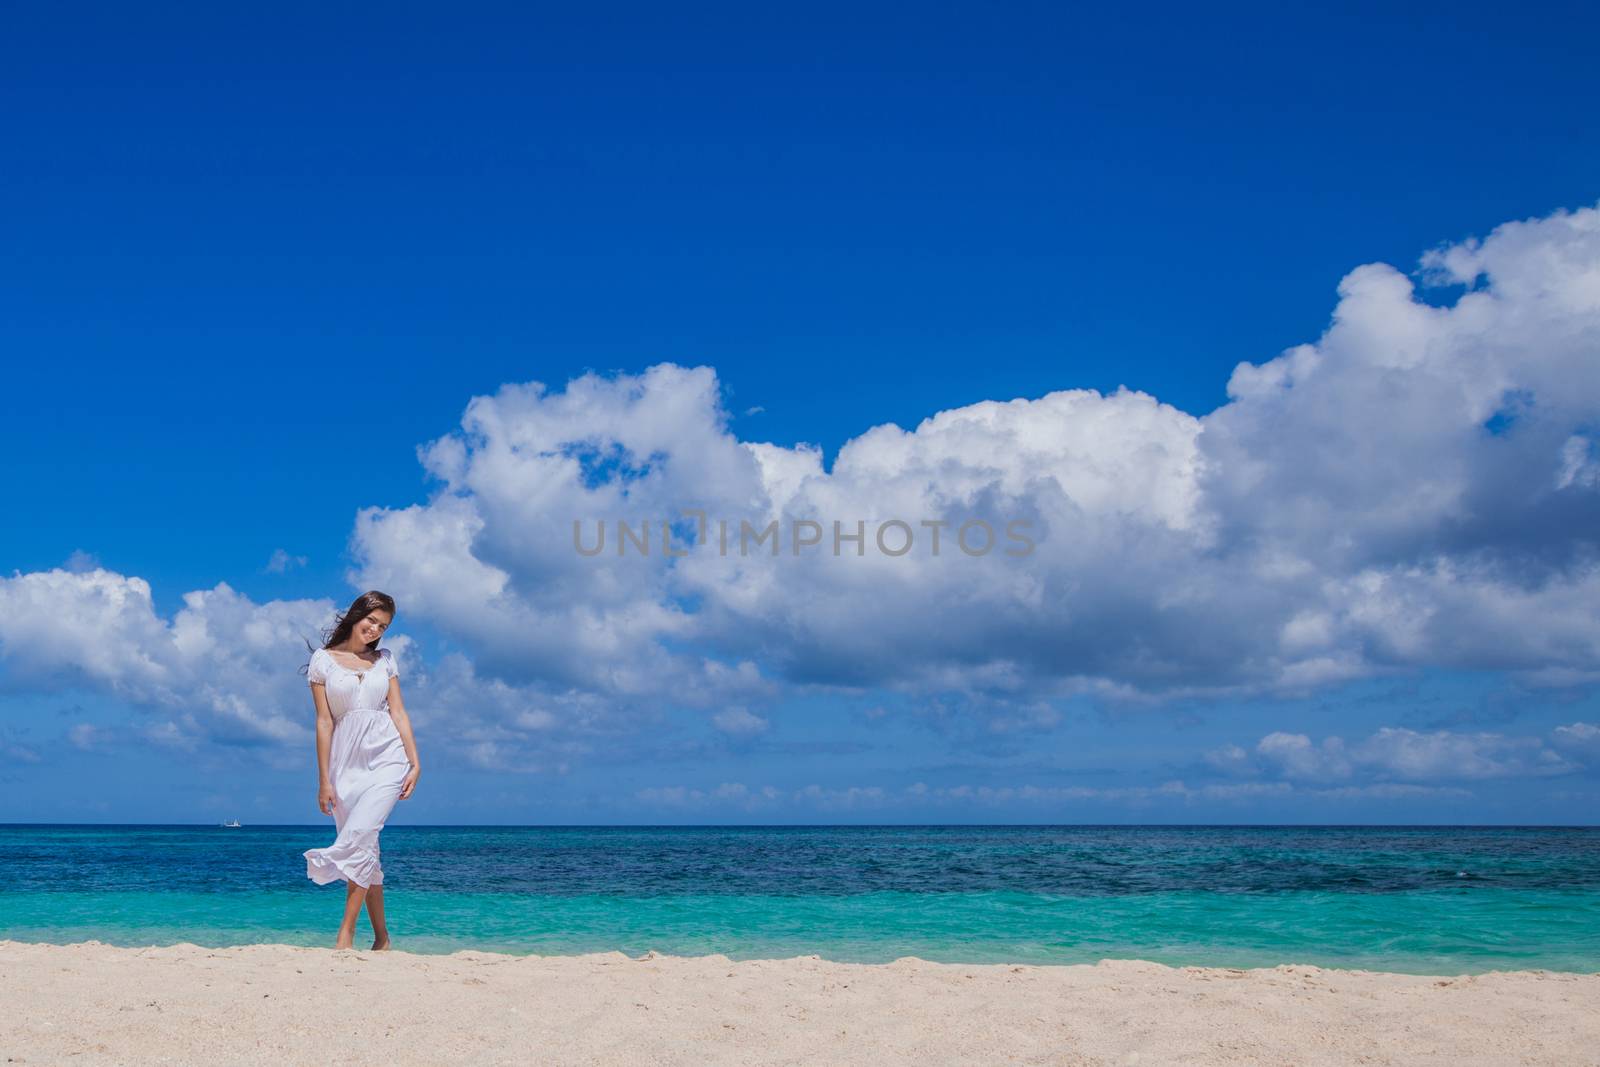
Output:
(1420, 900)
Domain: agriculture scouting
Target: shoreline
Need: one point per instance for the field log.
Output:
(653, 954)
(1406, 968)
(184, 1003)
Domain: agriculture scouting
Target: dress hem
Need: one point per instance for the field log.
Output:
(323, 868)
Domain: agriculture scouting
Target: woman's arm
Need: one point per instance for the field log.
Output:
(325, 795)
(402, 725)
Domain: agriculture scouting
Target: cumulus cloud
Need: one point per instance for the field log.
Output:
(217, 665)
(1419, 477)
(1441, 754)
(729, 795)
(1297, 757)
(224, 669)
(739, 722)
(281, 562)
(1403, 755)
(1415, 488)
(1418, 487)
(1581, 739)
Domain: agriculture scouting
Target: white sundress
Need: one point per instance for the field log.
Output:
(367, 764)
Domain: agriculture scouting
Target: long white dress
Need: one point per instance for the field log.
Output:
(367, 764)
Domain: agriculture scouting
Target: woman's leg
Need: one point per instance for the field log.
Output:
(380, 932)
(354, 896)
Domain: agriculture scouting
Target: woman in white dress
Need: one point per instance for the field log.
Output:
(366, 757)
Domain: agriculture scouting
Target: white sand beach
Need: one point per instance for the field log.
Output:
(93, 1003)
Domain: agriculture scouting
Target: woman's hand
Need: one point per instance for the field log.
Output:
(410, 781)
(325, 798)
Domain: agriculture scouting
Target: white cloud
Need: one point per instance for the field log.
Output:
(1441, 754)
(281, 562)
(224, 670)
(1580, 738)
(1230, 759)
(535, 719)
(725, 796)
(1348, 513)
(1297, 757)
(1415, 488)
(1580, 463)
(1397, 753)
(739, 722)
(217, 661)
(186, 736)
(824, 798)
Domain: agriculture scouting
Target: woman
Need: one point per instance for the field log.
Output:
(366, 757)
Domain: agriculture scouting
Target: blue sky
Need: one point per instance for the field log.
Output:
(259, 263)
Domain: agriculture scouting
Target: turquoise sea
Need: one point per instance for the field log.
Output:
(1446, 900)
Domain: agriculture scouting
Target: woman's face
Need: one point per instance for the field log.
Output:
(372, 627)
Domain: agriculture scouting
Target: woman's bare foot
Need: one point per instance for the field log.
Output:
(379, 944)
(344, 942)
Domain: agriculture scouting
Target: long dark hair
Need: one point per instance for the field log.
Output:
(359, 608)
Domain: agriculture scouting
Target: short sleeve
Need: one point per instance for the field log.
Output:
(394, 668)
(316, 672)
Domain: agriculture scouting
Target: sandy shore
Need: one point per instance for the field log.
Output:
(93, 1003)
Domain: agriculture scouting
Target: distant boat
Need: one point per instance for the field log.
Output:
(232, 824)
